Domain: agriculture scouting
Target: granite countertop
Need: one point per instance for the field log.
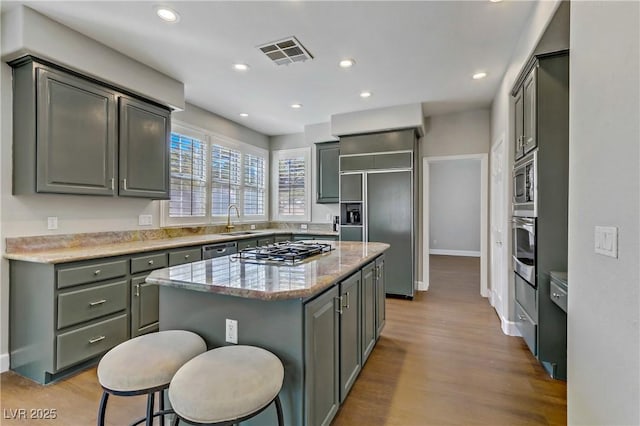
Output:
(95, 251)
(230, 276)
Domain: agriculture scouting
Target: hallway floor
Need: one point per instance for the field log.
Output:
(441, 360)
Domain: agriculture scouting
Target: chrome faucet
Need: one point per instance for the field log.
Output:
(229, 226)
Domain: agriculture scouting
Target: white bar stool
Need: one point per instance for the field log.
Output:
(145, 365)
(227, 385)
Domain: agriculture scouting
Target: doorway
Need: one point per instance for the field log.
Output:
(461, 184)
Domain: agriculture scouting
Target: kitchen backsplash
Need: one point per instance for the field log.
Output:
(63, 241)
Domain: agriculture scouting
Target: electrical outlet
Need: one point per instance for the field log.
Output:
(145, 220)
(328, 217)
(52, 222)
(303, 226)
(606, 241)
(253, 226)
(231, 334)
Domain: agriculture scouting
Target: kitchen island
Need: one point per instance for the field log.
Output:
(321, 317)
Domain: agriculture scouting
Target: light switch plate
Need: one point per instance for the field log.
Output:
(606, 241)
(145, 220)
(252, 226)
(231, 331)
(52, 222)
(303, 226)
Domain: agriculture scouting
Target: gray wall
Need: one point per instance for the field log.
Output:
(454, 206)
(604, 189)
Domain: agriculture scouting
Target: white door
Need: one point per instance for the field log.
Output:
(498, 231)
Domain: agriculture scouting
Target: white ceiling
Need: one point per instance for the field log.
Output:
(405, 52)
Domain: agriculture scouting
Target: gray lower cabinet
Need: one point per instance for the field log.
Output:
(380, 296)
(322, 344)
(145, 297)
(75, 135)
(248, 243)
(350, 326)
(279, 238)
(327, 156)
(182, 256)
(369, 329)
(300, 237)
(144, 149)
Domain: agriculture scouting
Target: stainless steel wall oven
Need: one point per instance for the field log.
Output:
(524, 248)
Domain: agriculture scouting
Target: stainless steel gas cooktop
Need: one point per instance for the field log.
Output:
(284, 253)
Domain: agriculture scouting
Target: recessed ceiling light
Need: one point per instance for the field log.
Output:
(347, 63)
(244, 114)
(365, 94)
(296, 106)
(167, 14)
(240, 67)
(495, 1)
(479, 75)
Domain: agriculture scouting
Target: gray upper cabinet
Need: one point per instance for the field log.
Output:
(327, 155)
(76, 135)
(351, 187)
(525, 108)
(144, 150)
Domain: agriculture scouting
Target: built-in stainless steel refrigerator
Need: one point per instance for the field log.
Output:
(377, 199)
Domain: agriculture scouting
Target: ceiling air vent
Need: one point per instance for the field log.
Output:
(286, 51)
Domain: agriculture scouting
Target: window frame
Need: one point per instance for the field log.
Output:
(276, 156)
(211, 138)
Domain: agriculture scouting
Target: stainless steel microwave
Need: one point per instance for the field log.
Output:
(525, 186)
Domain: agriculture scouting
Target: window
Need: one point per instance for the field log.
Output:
(291, 185)
(209, 172)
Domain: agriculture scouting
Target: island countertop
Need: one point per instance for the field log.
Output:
(230, 276)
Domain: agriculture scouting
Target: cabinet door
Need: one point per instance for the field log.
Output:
(519, 131)
(245, 244)
(351, 187)
(380, 296)
(144, 150)
(350, 342)
(76, 134)
(529, 112)
(144, 306)
(327, 171)
(368, 311)
(322, 381)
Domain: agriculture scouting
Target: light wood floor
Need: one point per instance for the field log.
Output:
(441, 360)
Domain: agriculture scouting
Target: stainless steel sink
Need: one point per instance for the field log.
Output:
(242, 233)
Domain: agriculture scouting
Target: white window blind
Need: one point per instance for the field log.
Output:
(188, 177)
(254, 185)
(291, 186)
(225, 179)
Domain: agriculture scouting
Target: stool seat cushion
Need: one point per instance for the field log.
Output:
(148, 361)
(225, 384)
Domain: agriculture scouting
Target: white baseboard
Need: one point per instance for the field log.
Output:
(467, 253)
(509, 327)
(421, 286)
(4, 363)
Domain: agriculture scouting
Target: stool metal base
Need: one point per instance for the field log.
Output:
(148, 418)
(276, 400)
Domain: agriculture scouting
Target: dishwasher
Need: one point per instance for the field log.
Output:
(212, 251)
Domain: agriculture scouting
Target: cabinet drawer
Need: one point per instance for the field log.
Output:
(282, 237)
(558, 296)
(148, 263)
(265, 241)
(526, 296)
(179, 257)
(243, 244)
(527, 328)
(86, 342)
(82, 305)
(68, 277)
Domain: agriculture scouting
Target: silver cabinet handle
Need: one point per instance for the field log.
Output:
(347, 301)
(124, 184)
(186, 256)
(521, 317)
(151, 262)
(113, 184)
(97, 339)
(98, 302)
(97, 272)
(137, 292)
(339, 300)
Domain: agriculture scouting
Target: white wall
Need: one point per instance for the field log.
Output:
(320, 213)
(454, 207)
(502, 120)
(26, 31)
(604, 189)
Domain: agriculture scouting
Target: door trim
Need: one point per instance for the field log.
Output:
(484, 215)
